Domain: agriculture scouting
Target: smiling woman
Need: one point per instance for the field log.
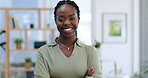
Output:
(67, 20)
(67, 56)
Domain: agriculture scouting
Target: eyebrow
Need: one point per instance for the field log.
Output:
(61, 16)
(71, 15)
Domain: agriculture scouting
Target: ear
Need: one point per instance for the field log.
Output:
(78, 19)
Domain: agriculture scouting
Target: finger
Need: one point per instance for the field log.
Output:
(92, 68)
(88, 72)
(92, 72)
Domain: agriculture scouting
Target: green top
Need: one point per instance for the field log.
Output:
(52, 63)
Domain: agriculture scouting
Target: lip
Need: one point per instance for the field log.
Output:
(67, 29)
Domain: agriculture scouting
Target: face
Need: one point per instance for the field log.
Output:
(67, 20)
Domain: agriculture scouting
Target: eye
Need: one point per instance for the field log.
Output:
(61, 19)
(72, 19)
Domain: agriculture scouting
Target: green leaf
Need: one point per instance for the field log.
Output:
(28, 60)
(98, 44)
(18, 41)
(2, 32)
(2, 44)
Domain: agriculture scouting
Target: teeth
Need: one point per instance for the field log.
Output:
(68, 29)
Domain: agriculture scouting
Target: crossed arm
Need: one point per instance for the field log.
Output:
(94, 70)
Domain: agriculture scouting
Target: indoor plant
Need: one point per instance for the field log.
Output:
(2, 44)
(18, 42)
(28, 63)
(136, 75)
(97, 44)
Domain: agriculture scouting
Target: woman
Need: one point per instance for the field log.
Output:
(67, 57)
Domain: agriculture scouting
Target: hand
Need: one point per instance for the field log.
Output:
(90, 72)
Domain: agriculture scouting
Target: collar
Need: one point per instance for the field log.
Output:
(79, 43)
(54, 43)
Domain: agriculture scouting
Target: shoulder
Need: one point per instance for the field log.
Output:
(47, 47)
(88, 48)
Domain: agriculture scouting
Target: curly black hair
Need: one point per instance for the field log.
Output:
(72, 3)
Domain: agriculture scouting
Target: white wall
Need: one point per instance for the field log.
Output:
(85, 21)
(125, 54)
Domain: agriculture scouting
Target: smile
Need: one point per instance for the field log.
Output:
(68, 29)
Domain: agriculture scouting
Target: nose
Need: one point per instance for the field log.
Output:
(67, 22)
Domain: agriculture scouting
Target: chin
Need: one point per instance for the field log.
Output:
(69, 35)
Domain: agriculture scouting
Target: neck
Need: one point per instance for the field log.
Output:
(67, 41)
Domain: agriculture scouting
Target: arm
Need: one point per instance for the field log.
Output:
(41, 67)
(94, 64)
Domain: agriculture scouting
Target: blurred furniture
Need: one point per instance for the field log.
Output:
(115, 65)
(8, 27)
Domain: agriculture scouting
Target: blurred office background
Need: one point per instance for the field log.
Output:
(122, 56)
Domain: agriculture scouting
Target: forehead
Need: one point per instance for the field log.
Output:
(66, 9)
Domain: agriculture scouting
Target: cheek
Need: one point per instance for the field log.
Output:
(56, 21)
(58, 24)
(76, 24)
